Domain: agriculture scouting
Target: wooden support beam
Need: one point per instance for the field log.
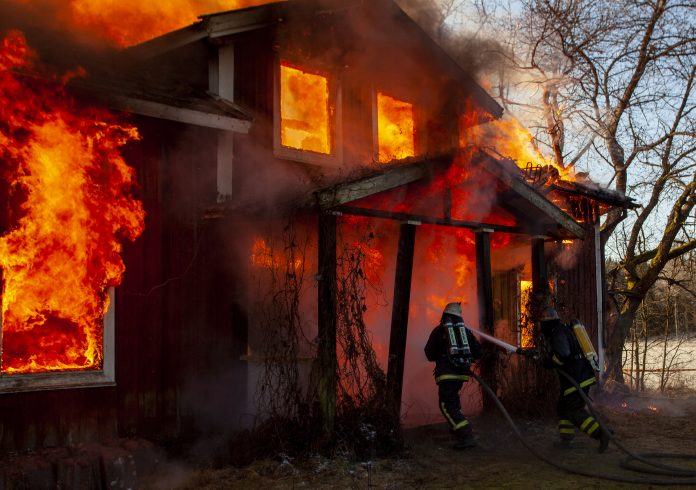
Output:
(431, 220)
(178, 114)
(399, 322)
(540, 276)
(532, 195)
(484, 293)
(327, 321)
(351, 191)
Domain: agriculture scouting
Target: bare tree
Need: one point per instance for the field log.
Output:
(613, 82)
(622, 73)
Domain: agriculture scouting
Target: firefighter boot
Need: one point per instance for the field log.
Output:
(466, 439)
(604, 438)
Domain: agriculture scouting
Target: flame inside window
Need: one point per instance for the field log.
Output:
(395, 129)
(526, 334)
(304, 110)
(70, 200)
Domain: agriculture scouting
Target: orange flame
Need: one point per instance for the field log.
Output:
(526, 334)
(262, 255)
(395, 129)
(512, 140)
(70, 201)
(304, 110)
(128, 22)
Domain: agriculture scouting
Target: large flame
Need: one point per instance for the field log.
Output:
(128, 22)
(511, 140)
(304, 110)
(69, 191)
(395, 129)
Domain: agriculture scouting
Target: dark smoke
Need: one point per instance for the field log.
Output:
(477, 56)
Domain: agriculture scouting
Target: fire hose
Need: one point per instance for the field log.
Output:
(651, 466)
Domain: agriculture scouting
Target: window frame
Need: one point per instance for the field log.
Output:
(335, 157)
(60, 380)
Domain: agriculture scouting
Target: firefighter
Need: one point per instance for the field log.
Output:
(453, 348)
(564, 353)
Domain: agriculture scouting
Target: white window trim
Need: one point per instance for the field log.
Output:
(333, 159)
(12, 383)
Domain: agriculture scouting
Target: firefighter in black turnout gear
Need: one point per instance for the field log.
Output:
(453, 348)
(565, 353)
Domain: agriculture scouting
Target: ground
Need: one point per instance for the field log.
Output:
(643, 424)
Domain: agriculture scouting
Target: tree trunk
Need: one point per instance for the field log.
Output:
(617, 330)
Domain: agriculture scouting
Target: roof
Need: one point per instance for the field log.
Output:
(534, 213)
(217, 25)
(178, 102)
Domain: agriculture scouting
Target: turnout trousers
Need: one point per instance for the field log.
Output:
(450, 404)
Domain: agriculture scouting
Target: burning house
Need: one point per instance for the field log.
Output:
(284, 151)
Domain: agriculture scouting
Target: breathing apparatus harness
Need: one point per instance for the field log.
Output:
(457, 346)
(679, 476)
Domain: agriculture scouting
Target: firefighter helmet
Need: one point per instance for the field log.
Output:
(549, 314)
(453, 309)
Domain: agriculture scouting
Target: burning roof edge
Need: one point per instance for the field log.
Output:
(337, 196)
(594, 191)
(213, 25)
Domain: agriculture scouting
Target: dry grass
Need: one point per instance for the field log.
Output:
(645, 424)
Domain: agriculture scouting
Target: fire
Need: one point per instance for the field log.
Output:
(512, 140)
(526, 334)
(262, 255)
(395, 129)
(304, 110)
(129, 22)
(69, 203)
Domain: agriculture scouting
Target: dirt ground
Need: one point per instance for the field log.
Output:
(501, 461)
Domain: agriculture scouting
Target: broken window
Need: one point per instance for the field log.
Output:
(395, 129)
(305, 110)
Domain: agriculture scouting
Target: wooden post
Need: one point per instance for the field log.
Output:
(484, 290)
(540, 276)
(399, 322)
(327, 321)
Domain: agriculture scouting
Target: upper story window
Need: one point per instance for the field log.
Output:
(395, 129)
(305, 111)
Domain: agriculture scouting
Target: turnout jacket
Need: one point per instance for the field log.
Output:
(436, 350)
(565, 353)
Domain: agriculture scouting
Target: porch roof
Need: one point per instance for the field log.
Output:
(532, 210)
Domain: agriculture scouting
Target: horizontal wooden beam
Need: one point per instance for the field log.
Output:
(352, 191)
(178, 114)
(430, 220)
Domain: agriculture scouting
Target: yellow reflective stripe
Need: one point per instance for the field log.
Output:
(557, 360)
(447, 415)
(569, 391)
(461, 424)
(458, 377)
(565, 422)
(566, 431)
(587, 422)
(594, 427)
(588, 382)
